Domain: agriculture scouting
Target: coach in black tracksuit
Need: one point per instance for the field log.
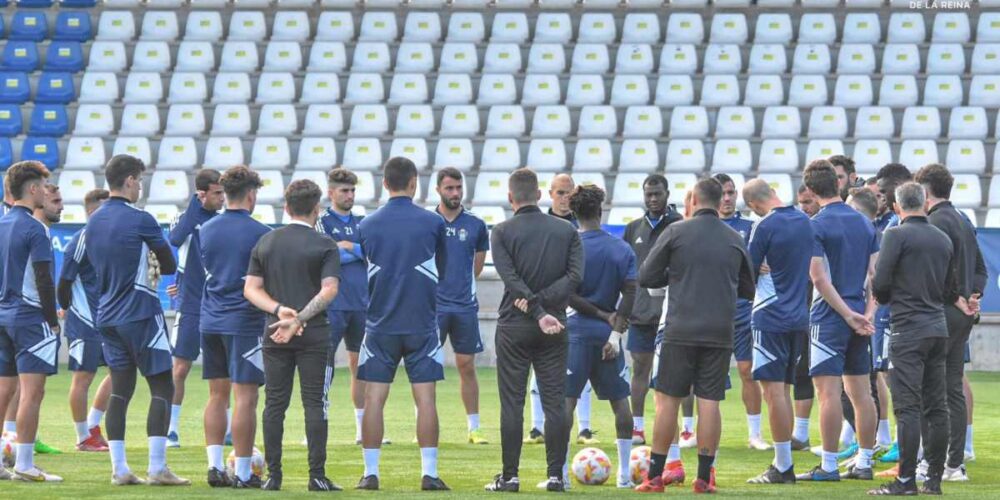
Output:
(971, 275)
(915, 275)
(540, 260)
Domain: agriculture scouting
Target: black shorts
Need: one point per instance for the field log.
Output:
(683, 367)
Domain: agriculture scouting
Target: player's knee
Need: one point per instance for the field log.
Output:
(746, 372)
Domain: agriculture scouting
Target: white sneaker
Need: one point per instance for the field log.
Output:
(36, 475)
(757, 443)
(957, 474)
(689, 442)
(166, 478)
(922, 470)
(5, 475)
(126, 479)
(544, 485)
(970, 456)
(625, 482)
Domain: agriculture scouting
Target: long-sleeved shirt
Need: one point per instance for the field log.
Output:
(184, 235)
(84, 295)
(352, 294)
(641, 234)
(25, 251)
(783, 239)
(707, 267)
(405, 246)
(539, 258)
(915, 275)
(227, 242)
(970, 269)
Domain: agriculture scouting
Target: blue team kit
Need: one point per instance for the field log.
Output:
(742, 340)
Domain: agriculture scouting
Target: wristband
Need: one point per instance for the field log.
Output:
(276, 309)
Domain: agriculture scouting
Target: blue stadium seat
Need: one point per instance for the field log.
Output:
(28, 25)
(64, 56)
(20, 55)
(79, 4)
(10, 120)
(39, 4)
(49, 120)
(43, 149)
(54, 87)
(14, 87)
(73, 26)
(6, 155)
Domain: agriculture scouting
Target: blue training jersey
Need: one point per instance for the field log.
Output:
(24, 240)
(226, 244)
(464, 236)
(744, 227)
(119, 239)
(405, 246)
(845, 240)
(882, 313)
(352, 295)
(76, 269)
(784, 240)
(190, 270)
(608, 262)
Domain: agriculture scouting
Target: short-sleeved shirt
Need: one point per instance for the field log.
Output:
(76, 269)
(883, 314)
(744, 227)
(405, 246)
(185, 235)
(784, 240)
(608, 262)
(119, 239)
(352, 294)
(23, 242)
(226, 244)
(845, 240)
(293, 261)
(464, 237)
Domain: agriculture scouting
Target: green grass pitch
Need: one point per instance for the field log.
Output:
(466, 468)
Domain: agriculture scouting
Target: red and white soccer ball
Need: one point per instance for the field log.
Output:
(591, 466)
(257, 464)
(638, 463)
(7, 446)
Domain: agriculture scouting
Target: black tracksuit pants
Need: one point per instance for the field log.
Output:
(917, 383)
(959, 328)
(518, 350)
(280, 364)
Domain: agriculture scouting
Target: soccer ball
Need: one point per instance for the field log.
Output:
(256, 463)
(7, 446)
(591, 466)
(638, 463)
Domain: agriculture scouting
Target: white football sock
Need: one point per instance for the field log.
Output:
(674, 454)
(157, 454)
(624, 454)
(10, 426)
(359, 415)
(782, 455)
(801, 432)
(94, 417)
(473, 419)
(82, 431)
(565, 471)
(688, 424)
(846, 435)
(214, 452)
(968, 439)
(24, 458)
(537, 413)
(829, 461)
(243, 468)
(864, 460)
(229, 421)
(753, 425)
(429, 462)
(175, 418)
(583, 408)
(118, 464)
(884, 437)
(371, 456)
(639, 423)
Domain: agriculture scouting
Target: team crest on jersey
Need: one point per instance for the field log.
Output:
(463, 234)
(743, 234)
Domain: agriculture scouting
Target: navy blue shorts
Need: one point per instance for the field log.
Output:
(85, 355)
(28, 349)
(609, 378)
(236, 357)
(421, 353)
(348, 326)
(742, 341)
(641, 338)
(185, 336)
(140, 344)
(835, 350)
(880, 347)
(775, 355)
(463, 329)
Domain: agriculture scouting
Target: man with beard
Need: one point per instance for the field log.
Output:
(847, 177)
(466, 243)
(807, 201)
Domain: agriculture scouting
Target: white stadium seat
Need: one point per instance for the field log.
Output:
(812, 59)
(547, 155)
(317, 153)
(968, 123)
(323, 120)
(918, 152)
(290, 25)
(159, 25)
(497, 88)
(369, 120)
(551, 122)
(143, 88)
(764, 90)
(920, 122)
(185, 120)
(732, 155)
(277, 120)
(422, 27)
(985, 58)
(985, 91)
(773, 28)
(116, 25)
(73, 214)
(163, 213)
(906, 27)
(458, 57)
(371, 57)
(685, 27)
(900, 59)
(502, 58)
(466, 27)
(874, 122)
(453, 88)
(966, 192)
(327, 56)
(168, 186)
(943, 91)
(223, 152)
(862, 27)
(231, 88)
(247, 25)
(679, 186)
(273, 188)
(966, 156)
(491, 188)
(828, 122)
(553, 27)
(505, 121)
(807, 91)
(817, 27)
(239, 56)
(500, 154)
(364, 88)
(641, 27)
(151, 56)
(728, 28)
(634, 58)
(678, 59)
(585, 90)
(871, 154)
(642, 122)
(823, 148)
(98, 87)
(988, 27)
(735, 122)
(231, 119)
(460, 120)
(685, 155)
(778, 155)
(597, 121)
(593, 155)
(132, 146)
(195, 56)
(720, 90)
(94, 120)
(628, 189)
(362, 154)
(177, 153)
(781, 122)
(945, 58)
(320, 88)
(854, 91)
(84, 153)
(722, 59)
(590, 58)
(203, 25)
(283, 56)
(898, 91)
(596, 27)
(540, 90)
(270, 153)
(335, 26)
(511, 27)
(674, 90)
(638, 155)
(414, 57)
(689, 122)
(107, 56)
(766, 58)
(140, 120)
(378, 27)
(951, 27)
(456, 153)
(414, 120)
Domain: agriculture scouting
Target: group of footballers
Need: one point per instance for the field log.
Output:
(112, 316)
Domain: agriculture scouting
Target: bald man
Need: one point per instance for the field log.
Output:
(560, 189)
(783, 241)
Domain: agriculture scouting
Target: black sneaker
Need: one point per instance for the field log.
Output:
(218, 478)
(535, 437)
(555, 485)
(368, 483)
(855, 472)
(931, 487)
(428, 483)
(323, 484)
(586, 437)
(253, 482)
(773, 476)
(512, 485)
(273, 483)
(896, 488)
(800, 445)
